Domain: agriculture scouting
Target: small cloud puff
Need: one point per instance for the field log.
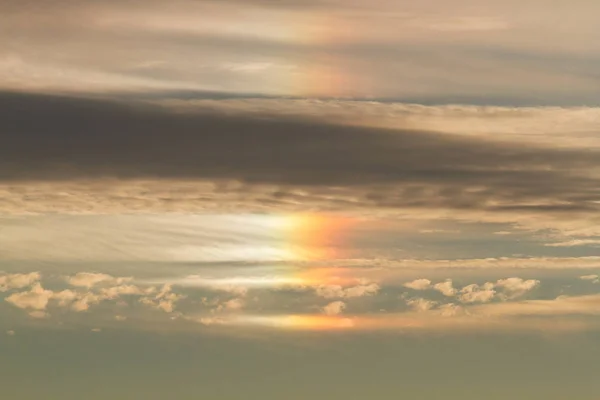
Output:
(418, 284)
(165, 299)
(421, 305)
(516, 287)
(445, 288)
(334, 308)
(336, 291)
(477, 294)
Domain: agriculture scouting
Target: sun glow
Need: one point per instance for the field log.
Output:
(315, 236)
(295, 250)
(296, 322)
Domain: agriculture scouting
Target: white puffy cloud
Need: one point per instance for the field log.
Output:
(18, 281)
(35, 299)
(420, 304)
(418, 284)
(477, 294)
(165, 300)
(84, 302)
(510, 288)
(336, 291)
(362, 290)
(81, 301)
(65, 297)
(516, 287)
(445, 288)
(38, 298)
(334, 308)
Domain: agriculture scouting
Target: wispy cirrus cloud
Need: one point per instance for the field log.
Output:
(492, 53)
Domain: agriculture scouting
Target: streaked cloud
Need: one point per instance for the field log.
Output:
(88, 280)
(433, 51)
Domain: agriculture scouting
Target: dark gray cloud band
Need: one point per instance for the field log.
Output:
(60, 138)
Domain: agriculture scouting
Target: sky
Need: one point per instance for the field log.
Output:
(316, 199)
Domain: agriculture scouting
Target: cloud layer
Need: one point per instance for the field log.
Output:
(490, 52)
(127, 153)
(495, 306)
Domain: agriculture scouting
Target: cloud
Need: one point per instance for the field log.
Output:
(448, 318)
(421, 305)
(418, 284)
(39, 314)
(333, 291)
(233, 154)
(450, 310)
(83, 302)
(516, 287)
(334, 308)
(90, 279)
(551, 263)
(445, 288)
(18, 281)
(562, 305)
(592, 278)
(36, 298)
(476, 294)
(232, 304)
(510, 288)
(39, 298)
(127, 290)
(65, 297)
(164, 300)
(575, 242)
(472, 309)
(487, 52)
